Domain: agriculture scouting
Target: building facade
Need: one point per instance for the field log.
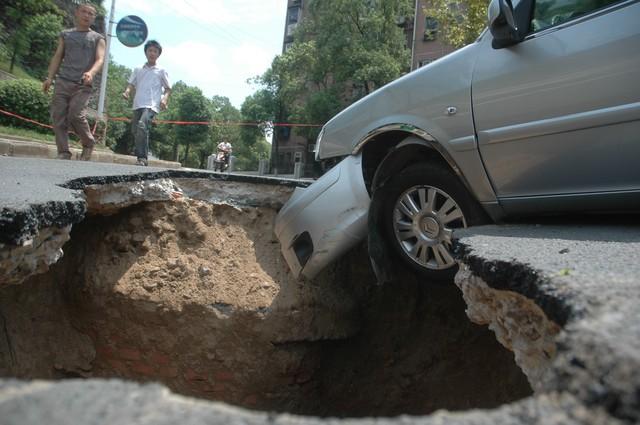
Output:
(426, 46)
(291, 148)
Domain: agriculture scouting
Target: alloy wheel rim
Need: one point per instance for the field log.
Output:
(423, 221)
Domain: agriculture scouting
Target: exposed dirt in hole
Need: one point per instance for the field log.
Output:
(197, 296)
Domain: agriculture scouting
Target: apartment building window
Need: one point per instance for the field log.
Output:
(430, 28)
(294, 15)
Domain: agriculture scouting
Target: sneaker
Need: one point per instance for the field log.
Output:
(142, 162)
(86, 153)
(64, 155)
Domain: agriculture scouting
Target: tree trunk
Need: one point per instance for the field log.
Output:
(175, 150)
(13, 58)
(186, 153)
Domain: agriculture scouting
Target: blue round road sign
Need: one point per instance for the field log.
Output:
(131, 31)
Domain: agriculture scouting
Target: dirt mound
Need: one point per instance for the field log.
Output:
(191, 252)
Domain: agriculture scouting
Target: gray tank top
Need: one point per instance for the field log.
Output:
(79, 53)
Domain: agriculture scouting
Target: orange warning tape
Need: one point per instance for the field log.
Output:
(25, 119)
(218, 123)
(11, 114)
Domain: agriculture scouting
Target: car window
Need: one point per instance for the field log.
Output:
(547, 13)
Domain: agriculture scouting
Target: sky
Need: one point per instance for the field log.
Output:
(215, 45)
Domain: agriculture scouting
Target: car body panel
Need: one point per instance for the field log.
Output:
(419, 99)
(333, 211)
(559, 113)
(418, 102)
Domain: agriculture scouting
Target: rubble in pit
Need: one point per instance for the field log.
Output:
(33, 256)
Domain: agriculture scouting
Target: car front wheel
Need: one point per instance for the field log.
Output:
(423, 204)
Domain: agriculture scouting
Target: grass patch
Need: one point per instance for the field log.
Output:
(49, 139)
(18, 72)
(27, 134)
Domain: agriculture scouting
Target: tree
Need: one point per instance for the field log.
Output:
(223, 112)
(69, 7)
(460, 21)
(16, 14)
(358, 41)
(41, 35)
(343, 50)
(165, 144)
(261, 107)
(119, 136)
(192, 106)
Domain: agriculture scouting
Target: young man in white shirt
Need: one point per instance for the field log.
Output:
(151, 84)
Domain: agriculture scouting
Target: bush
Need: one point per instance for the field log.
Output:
(24, 98)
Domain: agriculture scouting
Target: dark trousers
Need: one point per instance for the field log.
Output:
(140, 126)
(68, 109)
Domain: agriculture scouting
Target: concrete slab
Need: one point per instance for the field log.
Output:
(584, 277)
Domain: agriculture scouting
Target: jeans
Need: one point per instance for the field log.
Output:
(140, 126)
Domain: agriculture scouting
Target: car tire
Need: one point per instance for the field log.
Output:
(422, 206)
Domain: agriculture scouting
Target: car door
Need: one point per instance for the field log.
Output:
(557, 115)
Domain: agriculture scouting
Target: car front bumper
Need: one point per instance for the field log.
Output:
(323, 221)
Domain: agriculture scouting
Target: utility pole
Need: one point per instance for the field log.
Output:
(105, 66)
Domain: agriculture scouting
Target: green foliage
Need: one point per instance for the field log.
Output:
(41, 32)
(192, 106)
(248, 155)
(163, 141)
(262, 107)
(25, 98)
(118, 135)
(357, 41)
(224, 113)
(16, 15)
(461, 22)
(342, 51)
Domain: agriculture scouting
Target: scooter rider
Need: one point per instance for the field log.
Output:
(224, 147)
(223, 155)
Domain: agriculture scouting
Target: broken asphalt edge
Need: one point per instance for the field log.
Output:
(517, 277)
(594, 363)
(18, 226)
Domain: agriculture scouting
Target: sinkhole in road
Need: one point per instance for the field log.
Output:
(196, 295)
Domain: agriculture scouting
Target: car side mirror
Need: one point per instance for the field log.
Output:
(502, 24)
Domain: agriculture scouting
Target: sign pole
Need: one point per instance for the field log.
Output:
(105, 66)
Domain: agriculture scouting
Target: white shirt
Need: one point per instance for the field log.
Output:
(224, 146)
(149, 82)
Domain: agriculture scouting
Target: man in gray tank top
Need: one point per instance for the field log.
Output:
(77, 60)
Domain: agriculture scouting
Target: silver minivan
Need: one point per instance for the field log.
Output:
(540, 115)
